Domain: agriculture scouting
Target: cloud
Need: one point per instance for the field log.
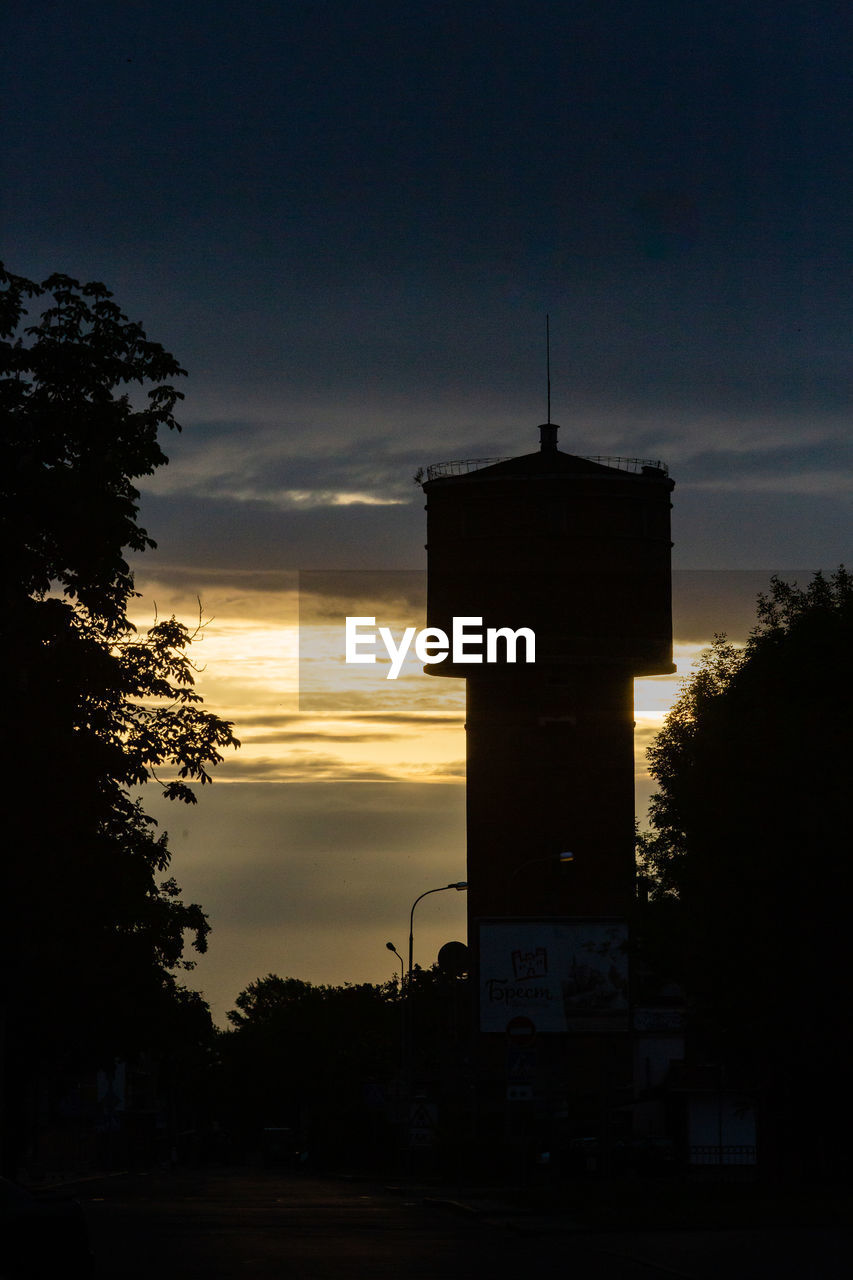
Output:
(249, 462)
(816, 466)
(325, 735)
(182, 582)
(415, 719)
(226, 535)
(303, 766)
(323, 766)
(259, 462)
(414, 691)
(745, 497)
(330, 595)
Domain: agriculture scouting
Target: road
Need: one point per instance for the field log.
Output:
(238, 1224)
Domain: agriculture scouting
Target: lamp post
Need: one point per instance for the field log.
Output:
(404, 1074)
(459, 884)
(391, 947)
(409, 1051)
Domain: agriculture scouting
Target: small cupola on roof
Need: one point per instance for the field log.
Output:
(548, 437)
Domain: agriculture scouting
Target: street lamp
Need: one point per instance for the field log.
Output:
(404, 1074)
(459, 884)
(391, 947)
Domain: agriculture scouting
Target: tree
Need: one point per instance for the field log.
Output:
(93, 928)
(332, 1062)
(72, 445)
(748, 855)
(302, 1055)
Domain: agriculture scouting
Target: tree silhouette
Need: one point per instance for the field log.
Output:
(331, 1063)
(303, 1055)
(92, 926)
(749, 858)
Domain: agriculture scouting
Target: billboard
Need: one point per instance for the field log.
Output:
(563, 975)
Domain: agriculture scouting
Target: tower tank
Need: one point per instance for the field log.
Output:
(578, 550)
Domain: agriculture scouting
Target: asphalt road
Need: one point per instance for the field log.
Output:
(237, 1224)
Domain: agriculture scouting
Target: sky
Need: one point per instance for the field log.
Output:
(348, 221)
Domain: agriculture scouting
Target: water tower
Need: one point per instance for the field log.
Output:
(578, 550)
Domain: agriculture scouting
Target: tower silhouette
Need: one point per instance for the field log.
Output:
(578, 550)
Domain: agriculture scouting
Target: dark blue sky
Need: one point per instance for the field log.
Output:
(348, 220)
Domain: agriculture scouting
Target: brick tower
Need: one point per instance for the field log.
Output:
(578, 550)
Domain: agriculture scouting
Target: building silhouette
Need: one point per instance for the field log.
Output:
(577, 550)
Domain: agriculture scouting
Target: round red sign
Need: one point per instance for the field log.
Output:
(520, 1029)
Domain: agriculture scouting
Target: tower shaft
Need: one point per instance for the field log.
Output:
(549, 773)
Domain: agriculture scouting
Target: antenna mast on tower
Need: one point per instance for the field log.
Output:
(548, 430)
(548, 361)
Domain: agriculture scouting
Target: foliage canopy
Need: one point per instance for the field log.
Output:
(748, 852)
(93, 926)
(755, 730)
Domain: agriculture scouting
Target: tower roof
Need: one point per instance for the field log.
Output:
(545, 462)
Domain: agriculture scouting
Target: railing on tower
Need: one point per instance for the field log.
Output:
(462, 466)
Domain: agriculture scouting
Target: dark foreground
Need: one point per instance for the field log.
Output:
(234, 1224)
